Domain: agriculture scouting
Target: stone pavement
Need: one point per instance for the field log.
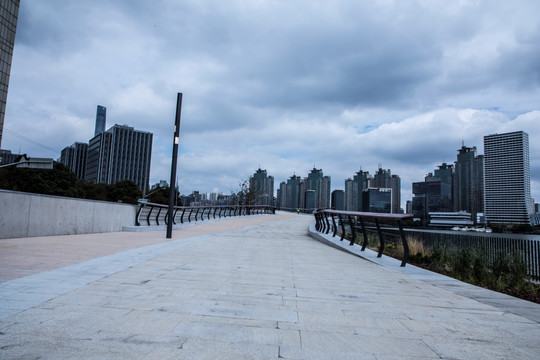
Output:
(247, 288)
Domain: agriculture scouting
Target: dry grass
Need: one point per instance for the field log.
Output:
(417, 247)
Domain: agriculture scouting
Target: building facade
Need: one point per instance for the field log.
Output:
(377, 200)
(384, 179)
(338, 200)
(354, 189)
(101, 120)
(468, 184)
(9, 10)
(263, 187)
(120, 153)
(507, 184)
(431, 195)
(320, 184)
(74, 157)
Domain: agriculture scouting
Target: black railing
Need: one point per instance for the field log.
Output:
(157, 214)
(350, 223)
(527, 247)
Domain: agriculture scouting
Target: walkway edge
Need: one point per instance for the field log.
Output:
(498, 300)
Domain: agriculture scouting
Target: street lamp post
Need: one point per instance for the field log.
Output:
(174, 165)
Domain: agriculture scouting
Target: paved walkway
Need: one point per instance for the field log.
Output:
(248, 288)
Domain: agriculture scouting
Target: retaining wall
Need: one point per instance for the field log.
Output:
(27, 215)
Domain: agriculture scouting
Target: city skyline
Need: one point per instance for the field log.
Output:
(281, 86)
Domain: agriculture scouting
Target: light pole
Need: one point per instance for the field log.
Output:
(174, 165)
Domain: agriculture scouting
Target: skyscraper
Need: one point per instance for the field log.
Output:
(9, 13)
(354, 189)
(507, 184)
(101, 119)
(292, 193)
(321, 185)
(263, 186)
(468, 185)
(384, 179)
(120, 153)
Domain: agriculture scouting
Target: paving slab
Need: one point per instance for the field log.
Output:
(255, 288)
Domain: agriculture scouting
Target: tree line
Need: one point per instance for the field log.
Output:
(61, 181)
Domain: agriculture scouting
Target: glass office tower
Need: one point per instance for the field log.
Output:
(9, 11)
(507, 184)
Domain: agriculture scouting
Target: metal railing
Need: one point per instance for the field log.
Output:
(491, 244)
(385, 226)
(158, 214)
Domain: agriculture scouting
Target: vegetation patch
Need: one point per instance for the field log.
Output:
(506, 273)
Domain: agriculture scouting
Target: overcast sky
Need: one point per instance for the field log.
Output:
(281, 85)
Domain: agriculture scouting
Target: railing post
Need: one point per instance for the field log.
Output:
(328, 224)
(148, 216)
(334, 226)
(353, 231)
(405, 244)
(182, 217)
(342, 222)
(157, 216)
(318, 218)
(174, 216)
(189, 216)
(381, 239)
(137, 223)
(364, 231)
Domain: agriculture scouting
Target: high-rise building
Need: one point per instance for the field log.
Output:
(101, 119)
(468, 184)
(433, 194)
(321, 185)
(507, 183)
(445, 174)
(338, 200)
(354, 189)
(282, 195)
(377, 200)
(9, 13)
(263, 186)
(74, 157)
(291, 195)
(309, 199)
(385, 180)
(120, 153)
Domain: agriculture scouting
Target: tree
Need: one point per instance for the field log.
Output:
(160, 195)
(246, 195)
(124, 191)
(59, 181)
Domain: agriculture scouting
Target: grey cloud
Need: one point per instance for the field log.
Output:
(340, 84)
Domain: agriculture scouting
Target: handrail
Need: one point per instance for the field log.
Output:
(364, 221)
(199, 212)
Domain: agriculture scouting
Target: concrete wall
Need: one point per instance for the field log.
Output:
(26, 215)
